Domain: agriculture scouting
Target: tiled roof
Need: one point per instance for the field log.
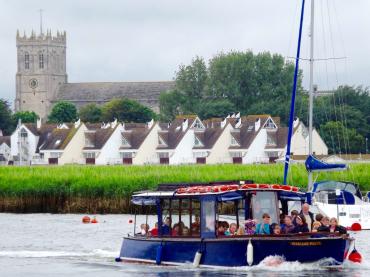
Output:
(5, 139)
(135, 134)
(174, 133)
(209, 137)
(97, 135)
(58, 139)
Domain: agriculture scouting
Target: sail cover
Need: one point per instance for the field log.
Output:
(314, 164)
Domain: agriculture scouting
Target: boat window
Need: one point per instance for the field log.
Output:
(208, 214)
(195, 217)
(226, 213)
(333, 185)
(265, 202)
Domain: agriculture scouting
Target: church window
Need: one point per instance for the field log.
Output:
(27, 60)
(41, 61)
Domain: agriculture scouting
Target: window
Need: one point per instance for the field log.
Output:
(234, 142)
(125, 142)
(27, 60)
(161, 141)
(197, 142)
(270, 141)
(270, 124)
(163, 155)
(41, 61)
(265, 202)
(125, 155)
(55, 154)
(198, 125)
(24, 134)
(89, 155)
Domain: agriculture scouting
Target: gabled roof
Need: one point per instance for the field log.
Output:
(98, 135)
(58, 139)
(279, 137)
(209, 137)
(135, 134)
(5, 139)
(173, 134)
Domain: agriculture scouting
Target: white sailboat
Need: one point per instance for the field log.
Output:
(342, 200)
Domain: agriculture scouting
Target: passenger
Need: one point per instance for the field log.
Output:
(144, 229)
(166, 228)
(226, 225)
(282, 219)
(220, 229)
(301, 226)
(276, 229)
(319, 217)
(250, 227)
(305, 212)
(241, 231)
(264, 227)
(288, 226)
(325, 225)
(185, 231)
(175, 230)
(294, 214)
(232, 230)
(195, 226)
(154, 231)
(335, 228)
(315, 226)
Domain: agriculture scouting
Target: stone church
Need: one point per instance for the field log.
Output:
(42, 80)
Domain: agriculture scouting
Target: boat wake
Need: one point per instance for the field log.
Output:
(97, 253)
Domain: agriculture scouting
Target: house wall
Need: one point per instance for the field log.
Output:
(318, 145)
(146, 154)
(109, 154)
(184, 151)
(220, 153)
(256, 151)
(29, 145)
(299, 144)
(73, 151)
(5, 150)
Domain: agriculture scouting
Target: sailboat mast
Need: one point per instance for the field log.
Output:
(311, 90)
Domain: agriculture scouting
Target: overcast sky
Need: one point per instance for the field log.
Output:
(146, 40)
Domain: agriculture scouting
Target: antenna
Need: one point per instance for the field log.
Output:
(41, 10)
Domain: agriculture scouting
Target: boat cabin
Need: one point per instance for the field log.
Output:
(194, 210)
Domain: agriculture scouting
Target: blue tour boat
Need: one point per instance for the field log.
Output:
(199, 208)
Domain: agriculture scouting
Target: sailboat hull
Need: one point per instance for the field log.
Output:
(232, 252)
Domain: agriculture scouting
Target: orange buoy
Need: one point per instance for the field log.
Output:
(356, 227)
(94, 220)
(86, 219)
(355, 256)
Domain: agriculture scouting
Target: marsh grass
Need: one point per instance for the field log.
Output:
(74, 188)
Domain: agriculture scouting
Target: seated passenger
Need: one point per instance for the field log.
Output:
(186, 231)
(276, 229)
(144, 228)
(325, 222)
(315, 226)
(166, 228)
(175, 230)
(195, 226)
(250, 227)
(294, 214)
(220, 229)
(335, 228)
(241, 231)
(288, 225)
(301, 226)
(264, 227)
(232, 230)
(319, 217)
(154, 231)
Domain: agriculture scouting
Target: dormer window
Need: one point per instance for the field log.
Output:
(24, 133)
(270, 141)
(161, 141)
(125, 142)
(234, 141)
(270, 124)
(197, 142)
(198, 124)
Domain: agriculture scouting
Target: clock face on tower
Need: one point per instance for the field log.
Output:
(33, 83)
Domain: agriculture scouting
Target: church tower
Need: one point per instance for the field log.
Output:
(41, 70)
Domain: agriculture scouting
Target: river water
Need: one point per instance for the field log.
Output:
(60, 245)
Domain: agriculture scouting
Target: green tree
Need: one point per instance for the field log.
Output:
(25, 117)
(170, 104)
(127, 110)
(6, 122)
(63, 112)
(215, 108)
(341, 139)
(90, 113)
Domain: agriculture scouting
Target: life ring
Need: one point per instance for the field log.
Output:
(295, 189)
(263, 186)
(249, 186)
(181, 190)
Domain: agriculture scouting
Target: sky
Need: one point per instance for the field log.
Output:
(146, 40)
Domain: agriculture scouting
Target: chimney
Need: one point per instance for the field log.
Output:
(150, 124)
(38, 123)
(257, 124)
(185, 124)
(237, 115)
(1, 133)
(223, 123)
(114, 123)
(77, 123)
(238, 123)
(295, 122)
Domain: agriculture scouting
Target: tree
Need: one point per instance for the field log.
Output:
(126, 110)
(170, 104)
(340, 139)
(63, 112)
(25, 117)
(6, 122)
(215, 108)
(90, 113)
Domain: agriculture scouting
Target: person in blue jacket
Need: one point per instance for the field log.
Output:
(263, 228)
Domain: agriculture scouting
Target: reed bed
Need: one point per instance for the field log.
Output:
(75, 188)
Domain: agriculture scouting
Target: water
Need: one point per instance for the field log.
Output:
(60, 245)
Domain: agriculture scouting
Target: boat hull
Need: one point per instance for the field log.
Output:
(232, 252)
